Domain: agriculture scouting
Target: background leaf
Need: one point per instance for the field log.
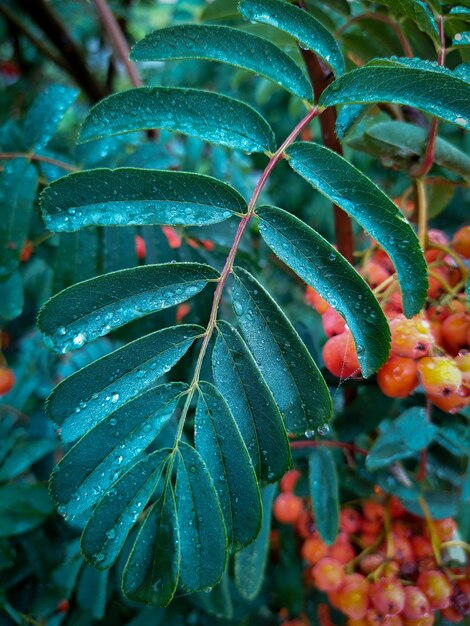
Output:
(290, 372)
(417, 11)
(323, 482)
(230, 123)
(128, 196)
(229, 45)
(23, 507)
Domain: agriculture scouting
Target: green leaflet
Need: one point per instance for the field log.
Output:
(318, 264)
(97, 306)
(349, 116)
(118, 510)
(222, 449)
(250, 563)
(304, 27)
(203, 539)
(128, 196)
(23, 507)
(11, 297)
(91, 466)
(119, 251)
(84, 399)
(402, 140)
(241, 383)
(23, 455)
(211, 117)
(46, 113)
(461, 40)
(401, 439)
(76, 258)
(323, 482)
(17, 193)
(152, 570)
(354, 192)
(285, 363)
(220, 10)
(418, 84)
(228, 45)
(417, 11)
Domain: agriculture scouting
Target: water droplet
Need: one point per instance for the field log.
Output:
(309, 434)
(114, 397)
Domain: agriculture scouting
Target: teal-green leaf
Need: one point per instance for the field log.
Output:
(219, 442)
(209, 116)
(203, 539)
(128, 196)
(241, 383)
(96, 461)
(84, 399)
(287, 367)
(118, 510)
(18, 184)
(11, 297)
(403, 140)
(419, 85)
(461, 40)
(310, 33)
(355, 193)
(315, 260)
(23, 455)
(46, 113)
(97, 306)
(323, 483)
(152, 570)
(228, 45)
(349, 116)
(23, 507)
(250, 563)
(403, 438)
(417, 11)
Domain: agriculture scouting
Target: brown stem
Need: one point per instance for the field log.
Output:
(43, 15)
(38, 157)
(321, 77)
(315, 443)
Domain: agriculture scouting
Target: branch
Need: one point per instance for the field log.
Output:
(42, 14)
(38, 157)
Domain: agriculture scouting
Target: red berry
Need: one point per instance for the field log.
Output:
(445, 528)
(454, 332)
(342, 550)
(314, 299)
(349, 520)
(436, 587)
(452, 615)
(63, 606)
(398, 377)
(7, 380)
(287, 508)
(373, 511)
(461, 241)
(440, 375)
(289, 481)
(375, 618)
(140, 247)
(416, 603)
(388, 596)
(328, 574)
(396, 508)
(411, 338)
(340, 357)
(333, 323)
(375, 273)
(463, 363)
(314, 550)
(353, 597)
(422, 547)
(174, 240)
(452, 402)
(27, 251)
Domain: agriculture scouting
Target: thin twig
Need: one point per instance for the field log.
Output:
(405, 44)
(38, 157)
(318, 443)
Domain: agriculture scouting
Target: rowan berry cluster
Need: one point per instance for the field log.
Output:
(386, 567)
(432, 348)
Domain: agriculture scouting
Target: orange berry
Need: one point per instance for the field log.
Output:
(314, 550)
(388, 596)
(340, 357)
(453, 401)
(373, 511)
(375, 273)
(398, 377)
(333, 323)
(369, 527)
(375, 618)
(416, 603)
(422, 547)
(287, 508)
(342, 550)
(182, 310)
(461, 241)
(452, 615)
(463, 363)
(445, 528)
(454, 332)
(7, 380)
(304, 526)
(353, 597)
(289, 480)
(367, 539)
(437, 588)
(440, 375)
(328, 574)
(411, 338)
(27, 251)
(400, 528)
(313, 298)
(402, 550)
(174, 240)
(140, 247)
(349, 520)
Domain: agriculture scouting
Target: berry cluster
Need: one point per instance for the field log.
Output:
(432, 348)
(386, 567)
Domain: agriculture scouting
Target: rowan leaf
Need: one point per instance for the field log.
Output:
(228, 45)
(356, 194)
(285, 363)
(209, 116)
(128, 196)
(417, 11)
(323, 482)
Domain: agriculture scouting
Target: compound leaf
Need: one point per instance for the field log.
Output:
(203, 539)
(128, 196)
(323, 482)
(356, 194)
(91, 466)
(310, 33)
(241, 383)
(228, 45)
(84, 399)
(209, 116)
(417, 11)
(287, 367)
(119, 508)
(97, 306)
(411, 82)
(152, 570)
(318, 264)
